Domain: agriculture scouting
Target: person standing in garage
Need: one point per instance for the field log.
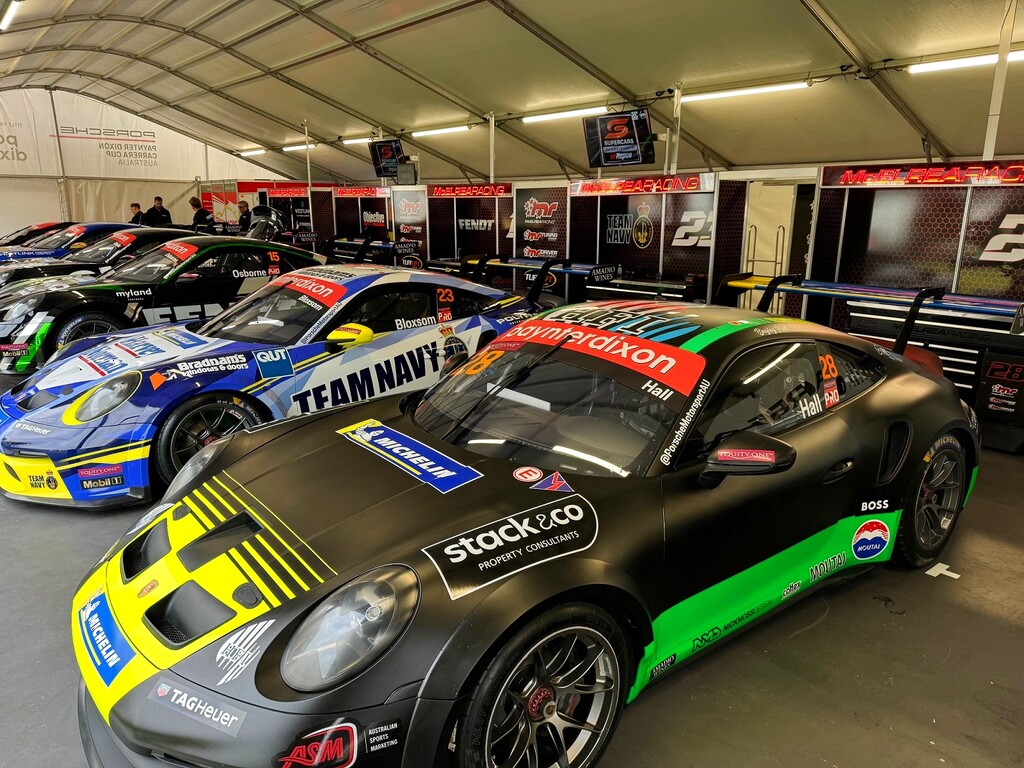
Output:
(158, 216)
(244, 216)
(138, 218)
(202, 219)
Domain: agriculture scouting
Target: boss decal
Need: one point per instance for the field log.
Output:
(494, 551)
(421, 461)
(875, 504)
(198, 705)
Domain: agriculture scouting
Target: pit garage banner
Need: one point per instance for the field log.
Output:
(98, 141)
(409, 214)
(28, 144)
(541, 222)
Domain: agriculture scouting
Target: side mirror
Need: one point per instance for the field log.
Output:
(350, 335)
(186, 277)
(77, 246)
(746, 453)
(453, 362)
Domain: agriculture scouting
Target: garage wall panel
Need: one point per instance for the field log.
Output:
(28, 201)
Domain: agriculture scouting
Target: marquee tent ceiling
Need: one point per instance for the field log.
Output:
(240, 74)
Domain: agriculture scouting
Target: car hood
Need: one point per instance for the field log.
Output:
(52, 284)
(146, 351)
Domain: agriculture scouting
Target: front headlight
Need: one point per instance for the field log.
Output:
(21, 307)
(351, 629)
(195, 466)
(101, 400)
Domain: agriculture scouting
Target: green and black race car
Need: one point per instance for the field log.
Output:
(486, 574)
(186, 279)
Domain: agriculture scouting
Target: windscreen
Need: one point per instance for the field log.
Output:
(61, 239)
(12, 236)
(150, 266)
(278, 313)
(554, 409)
(99, 252)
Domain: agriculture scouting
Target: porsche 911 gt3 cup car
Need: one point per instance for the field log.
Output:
(111, 415)
(485, 577)
(96, 259)
(185, 279)
(26, 235)
(63, 242)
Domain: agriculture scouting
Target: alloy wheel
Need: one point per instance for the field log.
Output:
(939, 499)
(204, 425)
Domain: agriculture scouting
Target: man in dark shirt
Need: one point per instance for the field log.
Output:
(158, 216)
(201, 218)
(244, 216)
(137, 216)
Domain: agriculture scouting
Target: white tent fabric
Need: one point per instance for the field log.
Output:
(240, 74)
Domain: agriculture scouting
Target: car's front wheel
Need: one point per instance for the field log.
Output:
(195, 424)
(551, 696)
(934, 502)
(84, 325)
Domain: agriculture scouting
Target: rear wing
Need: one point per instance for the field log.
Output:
(734, 286)
(373, 249)
(531, 277)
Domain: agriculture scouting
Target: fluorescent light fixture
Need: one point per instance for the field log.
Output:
(12, 8)
(367, 140)
(298, 147)
(252, 152)
(744, 91)
(968, 61)
(569, 113)
(439, 131)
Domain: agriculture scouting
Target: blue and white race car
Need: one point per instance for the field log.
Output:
(59, 244)
(110, 417)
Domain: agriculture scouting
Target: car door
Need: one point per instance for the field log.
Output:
(204, 287)
(405, 354)
(733, 551)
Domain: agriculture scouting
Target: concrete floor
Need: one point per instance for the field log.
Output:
(896, 668)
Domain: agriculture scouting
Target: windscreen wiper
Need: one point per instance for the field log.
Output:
(515, 378)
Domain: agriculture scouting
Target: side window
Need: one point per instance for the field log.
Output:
(94, 236)
(855, 372)
(226, 263)
(768, 390)
(395, 310)
(467, 304)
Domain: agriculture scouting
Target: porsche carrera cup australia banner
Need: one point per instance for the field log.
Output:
(385, 155)
(621, 138)
(541, 222)
(409, 215)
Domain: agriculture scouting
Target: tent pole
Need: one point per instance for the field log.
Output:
(999, 83)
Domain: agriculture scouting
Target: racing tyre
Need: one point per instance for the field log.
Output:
(551, 697)
(195, 424)
(85, 325)
(934, 503)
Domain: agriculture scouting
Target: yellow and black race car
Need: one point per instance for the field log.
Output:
(486, 574)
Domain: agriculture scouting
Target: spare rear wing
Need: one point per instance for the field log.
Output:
(734, 286)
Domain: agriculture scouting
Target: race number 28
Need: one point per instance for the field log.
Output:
(999, 369)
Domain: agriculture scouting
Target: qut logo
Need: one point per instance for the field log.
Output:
(995, 249)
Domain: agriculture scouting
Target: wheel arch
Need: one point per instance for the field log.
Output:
(65, 313)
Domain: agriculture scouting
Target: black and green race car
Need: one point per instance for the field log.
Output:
(486, 574)
(189, 278)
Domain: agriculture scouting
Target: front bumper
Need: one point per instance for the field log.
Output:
(379, 737)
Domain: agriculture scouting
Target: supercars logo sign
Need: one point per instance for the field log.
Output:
(431, 467)
(494, 551)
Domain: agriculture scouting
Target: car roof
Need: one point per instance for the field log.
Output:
(341, 274)
(697, 327)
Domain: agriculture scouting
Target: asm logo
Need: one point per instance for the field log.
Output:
(694, 229)
(618, 128)
(536, 209)
(995, 249)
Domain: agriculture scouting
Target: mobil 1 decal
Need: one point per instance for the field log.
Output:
(541, 221)
(688, 225)
(476, 225)
(409, 217)
(494, 551)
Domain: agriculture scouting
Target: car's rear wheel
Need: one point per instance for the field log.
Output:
(195, 424)
(934, 503)
(84, 325)
(551, 697)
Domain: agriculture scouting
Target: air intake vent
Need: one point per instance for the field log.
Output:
(213, 543)
(185, 614)
(897, 441)
(144, 551)
(38, 400)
